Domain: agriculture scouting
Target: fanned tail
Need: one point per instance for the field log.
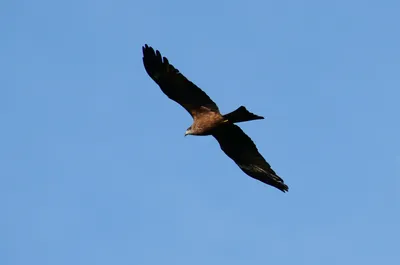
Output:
(241, 115)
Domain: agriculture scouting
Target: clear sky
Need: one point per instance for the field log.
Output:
(95, 168)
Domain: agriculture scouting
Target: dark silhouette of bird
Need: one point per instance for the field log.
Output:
(207, 119)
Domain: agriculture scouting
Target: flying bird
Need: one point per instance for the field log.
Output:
(207, 119)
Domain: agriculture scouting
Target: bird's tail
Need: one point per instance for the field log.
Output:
(240, 115)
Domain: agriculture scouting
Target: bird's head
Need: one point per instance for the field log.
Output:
(189, 131)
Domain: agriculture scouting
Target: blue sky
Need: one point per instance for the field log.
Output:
(95, 169)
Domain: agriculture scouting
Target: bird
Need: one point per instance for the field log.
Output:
(208, 120)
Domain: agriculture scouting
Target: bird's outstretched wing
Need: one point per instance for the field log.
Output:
(175, 85)
(241, 149)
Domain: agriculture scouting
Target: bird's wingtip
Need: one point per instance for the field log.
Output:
(284, 188)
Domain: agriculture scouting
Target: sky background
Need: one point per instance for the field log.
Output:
(94, 168)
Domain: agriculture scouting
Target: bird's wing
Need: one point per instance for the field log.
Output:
(242, 150)
(175, 85)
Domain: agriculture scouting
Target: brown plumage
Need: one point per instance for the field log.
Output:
(207, 119)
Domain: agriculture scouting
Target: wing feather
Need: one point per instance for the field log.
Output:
(242, 150)
(175, 85)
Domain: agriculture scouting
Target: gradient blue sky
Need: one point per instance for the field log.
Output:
(95, 169)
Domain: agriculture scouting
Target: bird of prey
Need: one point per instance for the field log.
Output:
(207, 119)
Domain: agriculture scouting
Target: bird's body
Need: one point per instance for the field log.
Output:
(207, 119)
(205, 122)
